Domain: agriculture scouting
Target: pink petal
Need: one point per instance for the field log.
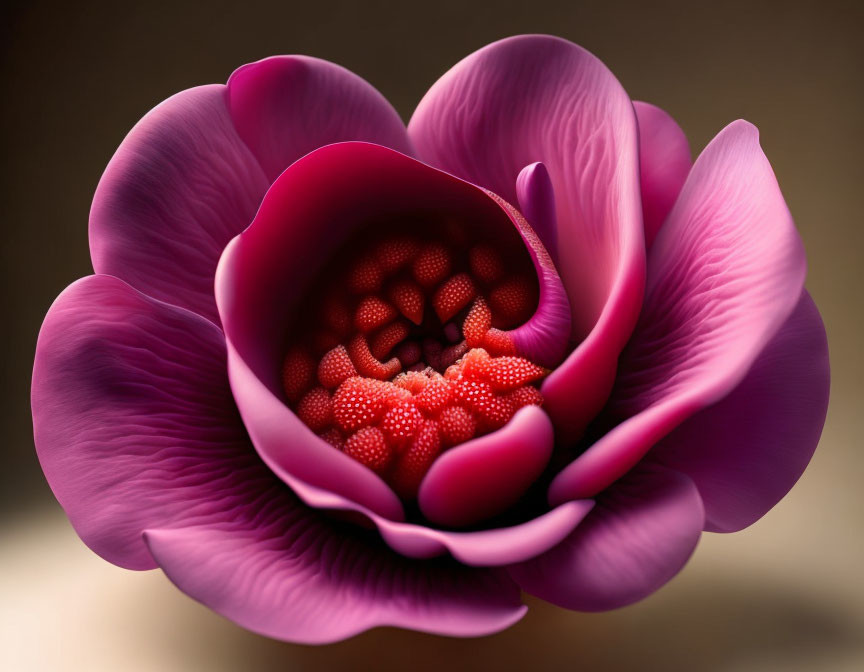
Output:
(664, 161)
(486, 476)
(725, 273)
(639, 535)
(745, 452)
(537, 201)
(179, 187)
(133, 419)
(539, 98)
(310, 209)
(283, 571)
(287, 106)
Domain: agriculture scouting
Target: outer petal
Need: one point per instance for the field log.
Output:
(538, 98)
(280, 570)
(746, 452)
(135, 430)
(179, 187)
(725, 273)
(637, 537)
(664, 161)
(133, 419)
(287, 106)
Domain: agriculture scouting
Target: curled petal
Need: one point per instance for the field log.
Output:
(664, 161)
(746, 451)
(639, 535)
(536, 98)
(725, 273)
(537, 202)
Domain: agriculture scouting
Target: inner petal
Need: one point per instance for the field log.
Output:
(403, 347)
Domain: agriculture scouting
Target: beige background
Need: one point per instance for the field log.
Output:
(786, 594)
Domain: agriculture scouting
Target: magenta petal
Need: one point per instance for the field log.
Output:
(538, 98)
(537, 201)
(725, 272)
(664, 162)
(180, 186)
(639, 535)
(745, 452)
(487, 475)
(286, 106)
(133, 419)
(281, 570)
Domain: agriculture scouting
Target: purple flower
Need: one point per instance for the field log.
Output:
(640, 359)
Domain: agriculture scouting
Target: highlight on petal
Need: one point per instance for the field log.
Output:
(639, 535)
(286, 106)
(180, 186)
(664, 162)
(281, 570)
(134, 423)
(256, 289)
(537, 98)
(487, 475)
(746, 452)
(725, 272)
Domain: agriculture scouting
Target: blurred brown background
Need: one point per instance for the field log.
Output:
(786, 594)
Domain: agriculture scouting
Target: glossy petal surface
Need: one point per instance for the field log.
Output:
(725, 273)
(746, 451)
(538, 98)
(638, 536)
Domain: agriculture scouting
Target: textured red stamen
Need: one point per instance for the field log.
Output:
(413, 465)
(358, 403)
(336, 316)
(508, 373)
(324, 341)
(365, 277)
(437, 394)
(499, 343)
(392, 394)
(409, 353)
(395, 253)
(372, 313)
(473, 361)
(452, 296)
(334, 437)
(366, 363)
(401, 421)
(525, 396)
(388, 338)
(316, 409)
(413, 381)
(477, 323)
(298, 373)
(408, 299)
(512, 301)
(370, 449)
(432, 265)
(485, 263)
(453, 352)
(457, 425)
(335, 368)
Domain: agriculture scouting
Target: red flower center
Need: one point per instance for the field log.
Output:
(405, 352)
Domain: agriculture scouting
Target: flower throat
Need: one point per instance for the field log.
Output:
(404, 352)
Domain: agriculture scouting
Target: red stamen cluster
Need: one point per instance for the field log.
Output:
(393, 384)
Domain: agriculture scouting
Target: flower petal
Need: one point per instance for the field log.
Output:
(745, 452)
(538, 98)
(282, 570)
(133, 419)
(664, 161)
(179, 187)
(725, 273)
(484, 477)
(257, 290)
(639, 535)
(286, 106)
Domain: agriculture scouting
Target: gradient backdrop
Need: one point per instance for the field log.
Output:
(785, 594)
